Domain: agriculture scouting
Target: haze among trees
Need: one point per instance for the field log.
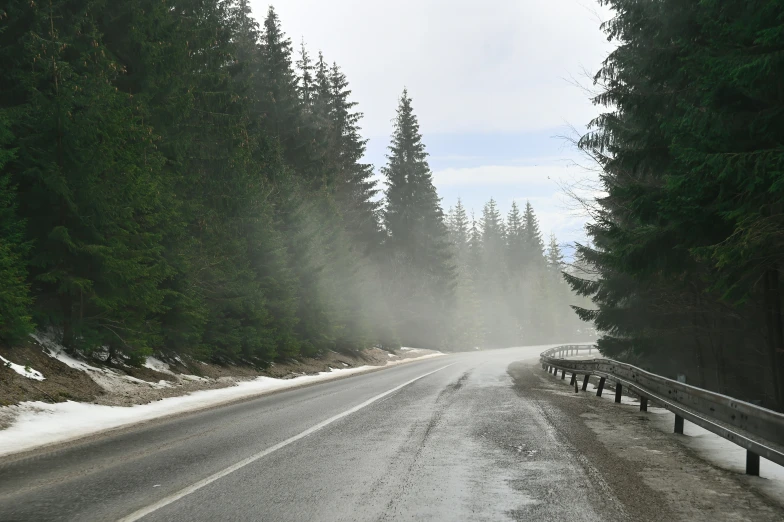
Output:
(176, 177)
(687, 245)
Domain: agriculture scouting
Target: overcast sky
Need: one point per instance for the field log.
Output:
(491, 84)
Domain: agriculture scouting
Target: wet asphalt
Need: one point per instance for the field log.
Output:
(466, 442)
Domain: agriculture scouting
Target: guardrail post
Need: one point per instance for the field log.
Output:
(563, 375)
(585, 381)
(601, 387)
(643, 403)
(573, 381)
(752, 463)
(679, 424)
(618, 391)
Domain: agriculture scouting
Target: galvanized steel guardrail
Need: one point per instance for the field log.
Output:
(760, 431)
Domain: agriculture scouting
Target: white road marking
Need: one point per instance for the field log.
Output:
(136, 515)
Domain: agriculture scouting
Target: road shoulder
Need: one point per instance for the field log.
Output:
(649, 471)
(36, 426)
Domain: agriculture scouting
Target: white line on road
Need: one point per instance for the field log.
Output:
(136, 515)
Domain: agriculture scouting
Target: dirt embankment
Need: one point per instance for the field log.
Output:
(67, 378)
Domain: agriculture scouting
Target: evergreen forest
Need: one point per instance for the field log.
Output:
(686, 245)
(177, 177)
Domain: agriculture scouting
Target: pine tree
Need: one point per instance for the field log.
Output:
(85, 172)
(501, 326)
(532, 237)
(459, 232)
(555, 259)
(355, 189)
(280, 105)
(15, 302)
(466, 332)
(306, 81)
(515, 238)
(684, 244)
(417, 239)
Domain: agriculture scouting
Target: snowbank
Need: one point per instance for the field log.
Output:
(108, 379)
(722, 453)
(156, 364)
(39, 423)
(710, 447)
(56, 351)
(26, 371)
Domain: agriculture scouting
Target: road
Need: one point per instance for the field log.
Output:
(449, 438)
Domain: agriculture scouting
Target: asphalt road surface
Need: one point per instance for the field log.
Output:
(461, 437)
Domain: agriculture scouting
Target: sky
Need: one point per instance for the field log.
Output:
(496, 86)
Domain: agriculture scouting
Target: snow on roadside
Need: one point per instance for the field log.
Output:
(156, 364)
(108, 379)
(25, 371)
(37, 423)
(722, 453)
(56, 351)
(710, 447)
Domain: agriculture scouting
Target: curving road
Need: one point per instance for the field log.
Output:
(450, 438)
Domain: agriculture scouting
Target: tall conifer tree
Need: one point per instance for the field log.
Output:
(417, 239)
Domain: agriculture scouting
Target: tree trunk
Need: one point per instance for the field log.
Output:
(775, 333)
(698, 348)
(68, 335)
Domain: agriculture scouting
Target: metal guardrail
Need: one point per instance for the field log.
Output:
(760, 431)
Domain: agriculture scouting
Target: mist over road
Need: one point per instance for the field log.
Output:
(451, 438)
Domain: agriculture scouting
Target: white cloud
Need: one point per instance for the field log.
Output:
(496, 66)
(532, 176)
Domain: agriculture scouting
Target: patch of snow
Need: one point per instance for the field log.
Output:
(607, 393)
(391, 355)
(710, 447)
(106, 378)
(37, 423)
(57, 351)
(413, 350)
(156, 364)
(189, 377)
(722, 453)
(26, 371)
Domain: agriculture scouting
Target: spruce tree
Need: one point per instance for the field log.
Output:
(466, 331)
(355, 189)
(417, 241)
(85, 173)
(532, 237)
(555, 259)
(501, 326)
(684, 243)
(15, 302)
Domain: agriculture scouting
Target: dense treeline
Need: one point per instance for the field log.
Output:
(510, 290)
(176, 177)
(687, 249)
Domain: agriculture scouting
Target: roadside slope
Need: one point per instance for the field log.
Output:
(76, 399)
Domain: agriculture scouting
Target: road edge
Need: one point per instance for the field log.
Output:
(36, 451)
